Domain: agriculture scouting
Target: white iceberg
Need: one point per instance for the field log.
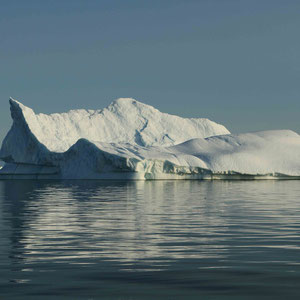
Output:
(132, 140)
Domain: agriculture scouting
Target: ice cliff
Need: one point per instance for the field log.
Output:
(124, 121)
(132, 140)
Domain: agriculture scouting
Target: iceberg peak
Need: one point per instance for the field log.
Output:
(126, 101)
(18, 110)
(12, 101)
(15, 105)
(130, 104)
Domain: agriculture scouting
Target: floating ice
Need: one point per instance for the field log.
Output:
(132, 140)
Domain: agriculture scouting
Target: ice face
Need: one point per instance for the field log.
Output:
(132, 140)
(123, 121)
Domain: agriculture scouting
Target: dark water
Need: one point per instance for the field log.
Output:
(150, 240)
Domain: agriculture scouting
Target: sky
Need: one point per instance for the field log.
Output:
(236, 62)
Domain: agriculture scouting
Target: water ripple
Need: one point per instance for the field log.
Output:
(192, 238)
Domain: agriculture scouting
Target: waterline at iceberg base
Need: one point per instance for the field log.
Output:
(133, 141)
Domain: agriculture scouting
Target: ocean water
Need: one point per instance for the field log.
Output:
(150, 240)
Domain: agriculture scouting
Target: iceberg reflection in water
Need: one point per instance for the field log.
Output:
(145, 240)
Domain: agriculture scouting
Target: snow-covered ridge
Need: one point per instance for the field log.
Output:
(124, 121)
(131, 140)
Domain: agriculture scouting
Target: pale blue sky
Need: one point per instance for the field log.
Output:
(236, 62)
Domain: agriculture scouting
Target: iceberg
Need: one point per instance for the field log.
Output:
(134, 141)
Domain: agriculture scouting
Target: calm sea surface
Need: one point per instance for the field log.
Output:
(150, 240)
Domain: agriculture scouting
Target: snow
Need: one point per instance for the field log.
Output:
(124, 121)
(132, 140)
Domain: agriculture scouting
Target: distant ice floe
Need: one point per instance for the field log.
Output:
(131, 140)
